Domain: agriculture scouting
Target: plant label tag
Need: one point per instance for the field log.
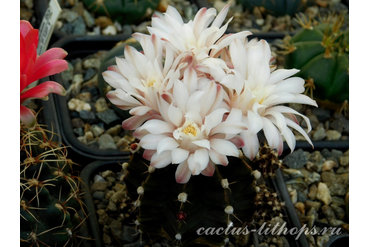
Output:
(47, 25)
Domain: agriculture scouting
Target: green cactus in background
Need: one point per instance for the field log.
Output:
(49, 194)
(176, 211)
(321, 53)
(277, 7)
(124, 11)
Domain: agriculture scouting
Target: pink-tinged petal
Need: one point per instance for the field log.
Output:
(291, 85)
(148, 154)
(175, 115)
(237, 141)
(280, 74)
(193, 165)
(161, 160)
(224, 147)
(49, 68)
(150, 141)
(221, 16)
(290, 139)
(42, 90)
(213, 119)
(134, 122)
(227, 39)
(179, 155)
(201, 157)
(27, 117)
(120, 98)
(156, 126)
(183, 173)
(271, 133)
(50, 55)
(254, 121)
(203, 143)
(299, 129)
(200, 21)
(209, 170)
(218, 158)
(238, 55)
(140, 110)
(252, 145)
(167, 144)
(232, 128)
(180, 93)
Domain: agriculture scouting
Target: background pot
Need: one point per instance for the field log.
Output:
(82, 47)
(279, 183)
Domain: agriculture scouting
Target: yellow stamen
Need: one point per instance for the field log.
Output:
(190, 129)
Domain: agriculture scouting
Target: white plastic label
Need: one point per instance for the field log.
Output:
(47, 25)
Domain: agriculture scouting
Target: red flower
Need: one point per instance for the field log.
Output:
(34, 67)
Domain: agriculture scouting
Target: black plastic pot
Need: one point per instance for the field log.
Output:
(279, 183)
(338, 241)
(82, 46)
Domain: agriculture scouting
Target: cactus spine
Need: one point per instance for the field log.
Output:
(49, 194)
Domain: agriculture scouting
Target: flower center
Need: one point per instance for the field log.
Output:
(191, 129)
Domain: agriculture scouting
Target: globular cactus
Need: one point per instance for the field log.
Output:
(277, 7)
(321, 53)
(124, 11)
(49, 195)
(177, 211)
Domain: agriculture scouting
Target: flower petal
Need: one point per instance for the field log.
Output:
(166, 144)
(42, 90)
(183, 173)
(161, 160)
(27, 117)
(209, 170)
(179, 155)
(202, 158)
(155, 126)
(224, 147)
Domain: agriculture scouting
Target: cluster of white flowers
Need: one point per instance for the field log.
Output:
(198, 95)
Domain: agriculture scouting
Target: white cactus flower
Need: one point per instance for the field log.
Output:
(261, 94)
(196, 131)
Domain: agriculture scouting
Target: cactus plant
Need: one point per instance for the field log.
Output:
(50, 197)
(321, 53)
(171, 210)
(124, 11)
(277, 7)
(198, 100)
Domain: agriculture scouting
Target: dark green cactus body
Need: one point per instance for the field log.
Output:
(49, 195)
(322, 54)
(276, 7)
(124, 11)
(164, 212)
